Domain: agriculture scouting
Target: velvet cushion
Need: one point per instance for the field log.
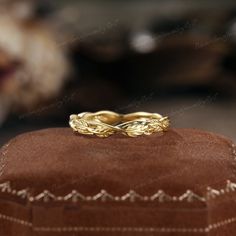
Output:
(56, 183)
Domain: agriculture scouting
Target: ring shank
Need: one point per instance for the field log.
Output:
(141, 115)
(105, 123)
(107, 117)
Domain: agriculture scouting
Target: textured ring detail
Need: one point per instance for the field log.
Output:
(106, 123)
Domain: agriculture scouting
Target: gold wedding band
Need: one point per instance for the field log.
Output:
(106, 123)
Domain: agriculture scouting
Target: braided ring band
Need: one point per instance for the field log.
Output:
(106, 123)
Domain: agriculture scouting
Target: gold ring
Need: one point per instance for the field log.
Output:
(106, 123)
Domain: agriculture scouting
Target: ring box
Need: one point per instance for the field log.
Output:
(56, 183)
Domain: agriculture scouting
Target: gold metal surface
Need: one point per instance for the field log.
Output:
(106, 123)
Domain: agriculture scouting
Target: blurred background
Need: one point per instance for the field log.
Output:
(174, 57)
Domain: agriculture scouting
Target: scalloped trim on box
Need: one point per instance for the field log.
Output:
(132, 196)
(104, 196)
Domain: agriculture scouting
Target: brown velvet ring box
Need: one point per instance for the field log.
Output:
(56, 183)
